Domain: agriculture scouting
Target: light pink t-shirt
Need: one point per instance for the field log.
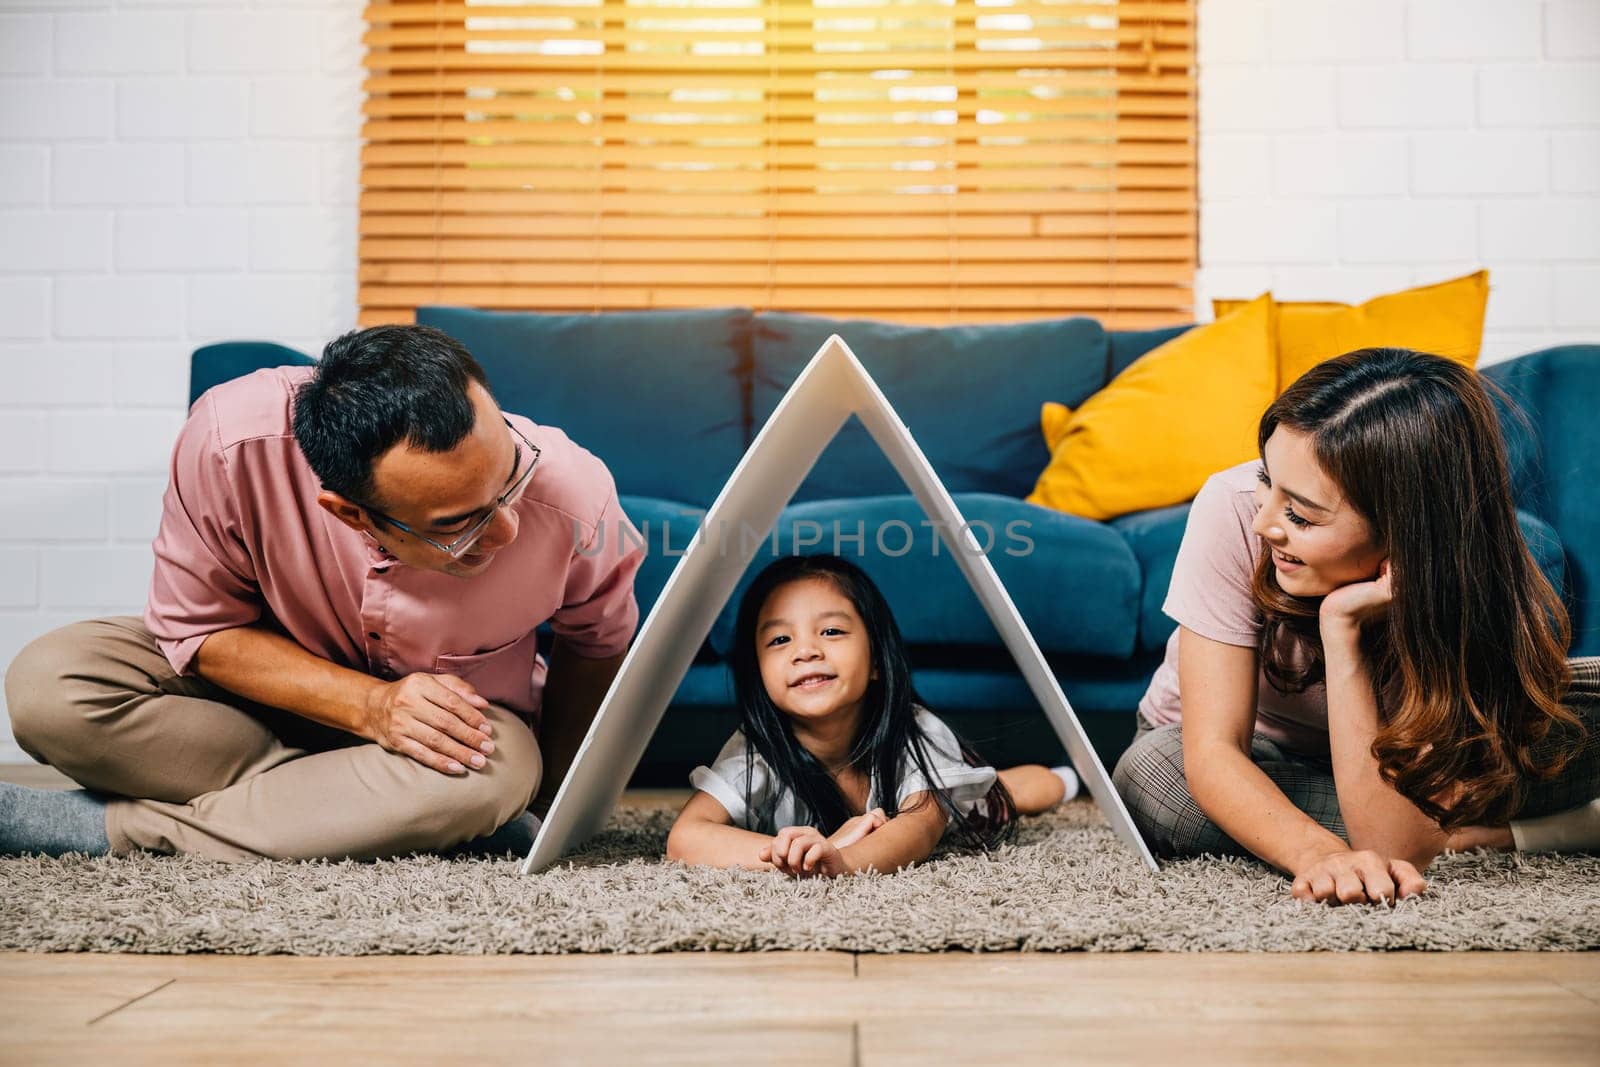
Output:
(243, 541)
(1210, 594)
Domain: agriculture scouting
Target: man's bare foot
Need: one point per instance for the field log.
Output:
(1491, 837)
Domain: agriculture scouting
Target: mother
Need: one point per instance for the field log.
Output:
(1369, 666)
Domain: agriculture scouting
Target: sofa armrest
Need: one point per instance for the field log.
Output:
(1559, 391)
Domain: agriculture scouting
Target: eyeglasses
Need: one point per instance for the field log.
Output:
(526, 450)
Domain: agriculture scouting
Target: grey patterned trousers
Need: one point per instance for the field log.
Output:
(1152, 782)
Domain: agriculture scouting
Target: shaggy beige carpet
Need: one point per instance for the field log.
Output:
(1066, 884)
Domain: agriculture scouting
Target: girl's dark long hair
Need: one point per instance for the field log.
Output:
(888, 728)
(1470, 662)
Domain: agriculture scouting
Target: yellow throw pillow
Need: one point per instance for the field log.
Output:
(1177, 415)
(1053, 420)
(1445, 319)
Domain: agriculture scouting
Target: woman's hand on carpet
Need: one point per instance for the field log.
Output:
(802, 852)
(855, 829)
(1357, 877)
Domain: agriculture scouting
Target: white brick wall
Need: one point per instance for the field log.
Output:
(171, 174)
(1354, 147)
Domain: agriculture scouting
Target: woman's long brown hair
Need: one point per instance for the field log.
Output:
(1470, 663)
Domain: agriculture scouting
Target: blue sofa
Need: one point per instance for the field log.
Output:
(671, 399)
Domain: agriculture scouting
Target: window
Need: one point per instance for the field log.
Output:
(923, 160)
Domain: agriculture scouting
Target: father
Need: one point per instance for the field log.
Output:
(338, 657)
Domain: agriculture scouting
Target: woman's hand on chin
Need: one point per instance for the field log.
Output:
(1359, 603)
(1352, 877)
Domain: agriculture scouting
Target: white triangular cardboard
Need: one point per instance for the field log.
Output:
(833, 386)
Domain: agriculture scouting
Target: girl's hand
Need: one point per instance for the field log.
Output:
(1363, 877)
(1360, 602)
(802, 852)
(855, 829)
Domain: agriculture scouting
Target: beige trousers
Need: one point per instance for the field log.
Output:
(192, 768)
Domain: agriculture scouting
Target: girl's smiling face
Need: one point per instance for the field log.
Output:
(813, 650)
(1318, 541)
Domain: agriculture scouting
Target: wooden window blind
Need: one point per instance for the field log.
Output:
(920, 160)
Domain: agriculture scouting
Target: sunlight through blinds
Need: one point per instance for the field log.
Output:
(927, 160)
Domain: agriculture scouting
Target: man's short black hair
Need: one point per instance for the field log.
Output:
(375, 388)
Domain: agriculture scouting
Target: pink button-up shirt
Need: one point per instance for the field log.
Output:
(243, 541)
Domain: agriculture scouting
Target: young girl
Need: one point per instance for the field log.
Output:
(836, 766)
(1370, 667)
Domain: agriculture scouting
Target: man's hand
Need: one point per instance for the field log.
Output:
(1357, 877)
(436, 719)
(802, 852)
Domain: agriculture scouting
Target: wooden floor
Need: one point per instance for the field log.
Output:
(814, 1008)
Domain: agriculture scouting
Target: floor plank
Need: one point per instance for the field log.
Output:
(806, 1007)
(1586, 986)
(38, 993)
(1238, 1008)
(687, 1008)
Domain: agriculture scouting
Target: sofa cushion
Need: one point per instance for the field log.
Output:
(657, 395)
(1129, 345)
(1154, 537)
(665, 527)
(969, 394)
(1182, 412)
(1445, 319)
(1075, 582)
